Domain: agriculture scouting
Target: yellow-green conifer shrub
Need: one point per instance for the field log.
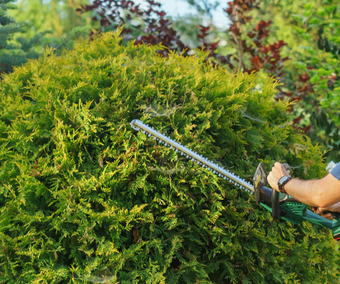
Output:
(85, 198)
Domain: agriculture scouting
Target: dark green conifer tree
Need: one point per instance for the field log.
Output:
(13, 52)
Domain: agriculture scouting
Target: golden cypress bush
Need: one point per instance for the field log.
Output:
(84, 197)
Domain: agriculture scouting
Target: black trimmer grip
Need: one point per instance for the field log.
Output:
(275, 205)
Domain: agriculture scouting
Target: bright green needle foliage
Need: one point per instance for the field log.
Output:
(85, 198)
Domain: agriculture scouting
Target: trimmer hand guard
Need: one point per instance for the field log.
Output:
(260, 181)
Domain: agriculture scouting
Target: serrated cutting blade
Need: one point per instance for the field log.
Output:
(199, 159)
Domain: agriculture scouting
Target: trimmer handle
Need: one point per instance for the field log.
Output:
(275, 205)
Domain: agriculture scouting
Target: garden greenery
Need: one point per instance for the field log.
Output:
(85, 197)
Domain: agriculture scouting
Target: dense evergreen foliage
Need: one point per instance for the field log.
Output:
(83, 196)
(295, 41)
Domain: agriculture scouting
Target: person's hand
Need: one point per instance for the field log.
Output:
(334, 208)
(278, 171)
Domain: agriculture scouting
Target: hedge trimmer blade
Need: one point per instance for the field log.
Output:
(199, 159)
(285, 206)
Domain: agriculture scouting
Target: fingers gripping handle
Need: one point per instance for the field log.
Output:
(336, 215)
(335, 225)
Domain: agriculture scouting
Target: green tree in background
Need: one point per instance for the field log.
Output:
(13, 52)
(57, 20)
(188, 27)
(58, 17)
(204, 7)
(8, 25)
(311, 30)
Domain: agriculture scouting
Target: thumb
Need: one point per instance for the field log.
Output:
(319, 210)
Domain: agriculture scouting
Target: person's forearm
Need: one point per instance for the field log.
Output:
(318, 193)
(305, 191)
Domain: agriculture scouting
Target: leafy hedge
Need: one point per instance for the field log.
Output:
(84, 197)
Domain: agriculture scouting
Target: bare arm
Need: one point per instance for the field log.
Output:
(318, 193)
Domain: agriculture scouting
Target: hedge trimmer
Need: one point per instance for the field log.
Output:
(281, 206)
